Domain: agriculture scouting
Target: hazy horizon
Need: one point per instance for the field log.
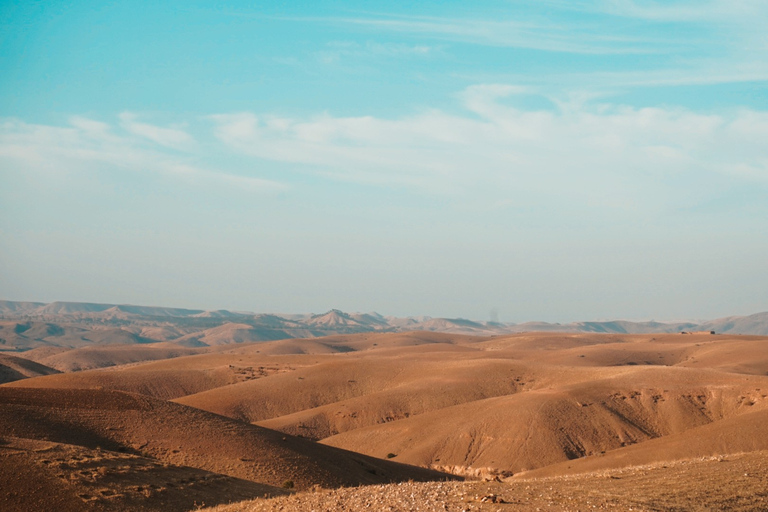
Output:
(551, 161)
(488, 318)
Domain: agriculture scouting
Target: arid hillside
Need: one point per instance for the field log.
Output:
(735, 483)
(15, 368)
(45, 332)
(539, 415)
(77, 436)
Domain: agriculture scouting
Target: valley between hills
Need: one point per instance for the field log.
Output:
(107, 408)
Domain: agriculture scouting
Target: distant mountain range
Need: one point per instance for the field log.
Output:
(30, 325)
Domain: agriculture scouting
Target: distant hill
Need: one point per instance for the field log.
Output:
(87, 309)
(28, 326)
(9, 307)
(753, 324)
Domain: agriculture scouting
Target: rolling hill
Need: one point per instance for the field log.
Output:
(234, 413)
(17, 368)
(26, 326)
(173, 433)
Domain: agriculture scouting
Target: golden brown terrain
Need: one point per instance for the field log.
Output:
(556, 421)
(732, 483)
(16, 368)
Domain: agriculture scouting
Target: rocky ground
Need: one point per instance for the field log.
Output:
(734, 483)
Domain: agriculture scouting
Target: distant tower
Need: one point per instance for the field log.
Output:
(495, 316)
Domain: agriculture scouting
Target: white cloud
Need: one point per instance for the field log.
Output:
(686, 42)
(600, 151)
(539, 35)
(93, 145)
(89, 126)
(686, 11)
(169, 137)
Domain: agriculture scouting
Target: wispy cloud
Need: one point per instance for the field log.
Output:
(538, 35)
(717, 11)
(607, 83)
(87, 145)
(168, 137)
(337, 50)
(683, 41)
(616, 156)
(611, 154)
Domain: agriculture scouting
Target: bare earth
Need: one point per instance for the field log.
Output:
(390, 421)
(734, 483)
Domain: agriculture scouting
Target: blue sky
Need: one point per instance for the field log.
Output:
(544, 159)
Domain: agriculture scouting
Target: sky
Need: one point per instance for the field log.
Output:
(527, 160)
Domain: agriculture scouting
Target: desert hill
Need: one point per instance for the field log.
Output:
(171, 377)
(743, 433)
(337, 379)
(177, 435)
(752, 324)
(85, 309)
(25, 326)
(11, 307)
(44, 475)
(733, 483)
(537, 428)
(102, 356)
(344, 409)
(17, 368)
(166, 374)
(20, 336)
(240, 333)
(334, 318)
(371, 394)
(413, 379)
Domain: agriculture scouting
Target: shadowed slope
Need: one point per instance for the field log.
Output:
(231, 333)
(343, 343)
(500, 404)
(224, 365)
(41, 475)
(17, 368)
(157, 383)
(367, 388)
(100, 356)
(734, 483)
(544, 426)
(225, 340)
(447, 371)
(735, 435)
(182, 435)
(736, 354)
(172, 378)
